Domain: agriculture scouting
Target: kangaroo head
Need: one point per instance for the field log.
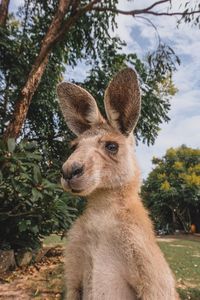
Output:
(103, 155)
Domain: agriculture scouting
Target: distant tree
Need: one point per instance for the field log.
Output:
(172, 189)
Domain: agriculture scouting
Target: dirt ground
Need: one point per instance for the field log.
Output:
(42, 280)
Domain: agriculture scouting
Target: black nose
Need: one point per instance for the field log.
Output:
(76, 169)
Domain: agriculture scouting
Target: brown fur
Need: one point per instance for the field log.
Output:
(78, 107)
(122, 101)
(111, 249)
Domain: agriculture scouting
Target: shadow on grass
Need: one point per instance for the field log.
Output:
(189, 294)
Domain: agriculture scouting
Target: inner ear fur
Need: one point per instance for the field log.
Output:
(79, 108)
(122, 101)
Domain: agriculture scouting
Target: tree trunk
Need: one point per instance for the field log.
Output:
(22, 105)
(3, 12)
(58, 28)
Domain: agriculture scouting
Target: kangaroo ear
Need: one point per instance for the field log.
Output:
(78, 107)
(122, 101)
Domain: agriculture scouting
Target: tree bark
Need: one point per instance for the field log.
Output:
(58, 28)
(22, 105)
(3, 12)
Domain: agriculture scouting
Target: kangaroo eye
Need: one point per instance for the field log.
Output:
(112, 147)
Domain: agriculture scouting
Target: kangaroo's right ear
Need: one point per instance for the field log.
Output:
(122, 101)
(78, 107)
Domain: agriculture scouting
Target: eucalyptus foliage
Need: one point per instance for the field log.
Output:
(155, 81)
(91, 42)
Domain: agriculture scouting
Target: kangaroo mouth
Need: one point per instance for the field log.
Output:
(75, 191)
(70, 187)
(73, 188)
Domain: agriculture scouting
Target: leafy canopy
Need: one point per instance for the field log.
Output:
(173, 187)
(91, 42)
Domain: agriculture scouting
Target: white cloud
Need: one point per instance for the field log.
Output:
(185, 131)
(184, 127)
(79, 73)
(14, 4)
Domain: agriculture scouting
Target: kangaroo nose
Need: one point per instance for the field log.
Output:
(76, 169)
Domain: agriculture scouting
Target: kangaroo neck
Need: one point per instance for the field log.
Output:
(122, 196)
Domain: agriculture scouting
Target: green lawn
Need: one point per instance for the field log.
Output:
(183, 255)
(184, 258)
(53, 240)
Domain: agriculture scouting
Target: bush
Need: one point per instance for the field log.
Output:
(32, 203)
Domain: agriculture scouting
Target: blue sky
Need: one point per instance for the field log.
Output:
(184, 127)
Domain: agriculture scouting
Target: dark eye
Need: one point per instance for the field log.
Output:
(112, 147)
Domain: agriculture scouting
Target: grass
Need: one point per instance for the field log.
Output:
(183, 256)
(45, 280)
(53, 240)
(49, 285)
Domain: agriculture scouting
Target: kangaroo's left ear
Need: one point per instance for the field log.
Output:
(78, 107)
(122, 101)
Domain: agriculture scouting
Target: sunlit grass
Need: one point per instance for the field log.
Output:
(183, 256)
(184, 259)
(53, 240)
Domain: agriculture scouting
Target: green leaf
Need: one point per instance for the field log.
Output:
(11, 145)
(36, 195)
(37, 174)
(35, 229)
(22, 226)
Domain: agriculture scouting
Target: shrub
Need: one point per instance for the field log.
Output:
(32, 203)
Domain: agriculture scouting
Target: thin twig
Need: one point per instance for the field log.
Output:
(72, 19)
(145, 11)
(18, 215)
(152, 24)
(156, 3)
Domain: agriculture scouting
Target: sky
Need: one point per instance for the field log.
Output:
(184, 126)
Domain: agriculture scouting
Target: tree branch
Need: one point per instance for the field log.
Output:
(147, 10)
(38, 68)
(174, 13)
(3, 12)
(58, 28)
(61, 24)
(151, 23)
(30, 214)
(156, 3)
(72, 19)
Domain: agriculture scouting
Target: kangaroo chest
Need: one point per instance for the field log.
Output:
(103, 276)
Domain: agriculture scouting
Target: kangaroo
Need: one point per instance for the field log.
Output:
(111, 251)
